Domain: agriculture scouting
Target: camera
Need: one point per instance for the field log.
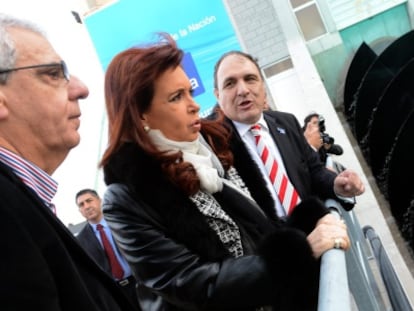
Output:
(326, 139)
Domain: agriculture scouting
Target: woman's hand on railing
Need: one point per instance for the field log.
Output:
(329, 233)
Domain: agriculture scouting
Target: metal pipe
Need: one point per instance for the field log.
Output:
(333, 282)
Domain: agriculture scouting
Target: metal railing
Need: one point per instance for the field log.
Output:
(362, 282)
(347, 281)
(333, 283)
(396, 293)
(347, 277)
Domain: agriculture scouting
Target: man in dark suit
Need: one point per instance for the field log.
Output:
(43, 267)
(241, 94)
(89, 237)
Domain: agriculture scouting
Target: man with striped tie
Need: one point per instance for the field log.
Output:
(271, 153)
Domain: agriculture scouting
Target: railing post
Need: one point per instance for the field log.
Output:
(396, 293)
(333, 283)
(362, 282)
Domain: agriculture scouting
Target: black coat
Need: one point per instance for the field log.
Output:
(180, 263)
(42, 266)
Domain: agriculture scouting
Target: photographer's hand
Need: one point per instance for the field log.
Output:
(348, 184)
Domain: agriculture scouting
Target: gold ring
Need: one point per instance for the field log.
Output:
(338, 243)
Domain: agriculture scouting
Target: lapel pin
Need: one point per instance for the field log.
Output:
(281, 130)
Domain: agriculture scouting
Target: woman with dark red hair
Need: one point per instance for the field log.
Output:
(193, 235)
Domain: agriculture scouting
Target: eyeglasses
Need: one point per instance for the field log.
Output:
(62, 65)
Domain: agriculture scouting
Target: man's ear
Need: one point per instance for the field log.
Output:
(4, 111)
(216, 93)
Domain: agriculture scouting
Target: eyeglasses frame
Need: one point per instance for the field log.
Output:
(62, 65)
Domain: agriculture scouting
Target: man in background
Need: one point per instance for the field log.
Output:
(94, 237)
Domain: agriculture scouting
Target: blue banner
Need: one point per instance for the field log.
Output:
(201, 28)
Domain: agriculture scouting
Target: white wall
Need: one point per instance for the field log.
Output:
(72, 42)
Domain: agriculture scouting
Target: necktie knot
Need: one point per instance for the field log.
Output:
(255, 129)
(99, 227)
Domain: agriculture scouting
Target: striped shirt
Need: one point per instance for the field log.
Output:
(32, 176)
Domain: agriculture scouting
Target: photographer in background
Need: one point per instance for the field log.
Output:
(314, 131)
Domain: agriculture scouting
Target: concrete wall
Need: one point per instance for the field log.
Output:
(258, 29)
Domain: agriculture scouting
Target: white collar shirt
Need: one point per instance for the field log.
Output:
(249, 140)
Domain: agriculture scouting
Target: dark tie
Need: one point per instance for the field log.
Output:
(287, 194)
(116, 267)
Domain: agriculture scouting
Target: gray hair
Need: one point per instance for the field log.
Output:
(8, 53)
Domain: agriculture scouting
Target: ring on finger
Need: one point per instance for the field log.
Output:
(338, 243)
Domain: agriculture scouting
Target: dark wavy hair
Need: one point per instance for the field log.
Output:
(129, 90)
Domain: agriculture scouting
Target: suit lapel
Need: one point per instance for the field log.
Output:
(281, 137)
(91, 243)
(94, 245)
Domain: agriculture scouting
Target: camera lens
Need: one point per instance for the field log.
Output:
(321, 124)
(327, 139)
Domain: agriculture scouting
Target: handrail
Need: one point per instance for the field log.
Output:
(343, 273)
(333, 282)
(362, 281)
(396, 293)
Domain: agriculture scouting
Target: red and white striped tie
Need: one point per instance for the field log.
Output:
(287, 194)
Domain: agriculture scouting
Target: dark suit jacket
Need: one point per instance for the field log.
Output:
(303, 165)
(90, 243)
(42, 266)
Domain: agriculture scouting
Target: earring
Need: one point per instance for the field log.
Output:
(146, 128)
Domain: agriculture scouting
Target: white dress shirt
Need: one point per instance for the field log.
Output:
(249, 141)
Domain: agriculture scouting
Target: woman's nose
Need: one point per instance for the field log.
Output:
(194, 107)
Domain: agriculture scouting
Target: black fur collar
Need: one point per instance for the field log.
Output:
(144, 178)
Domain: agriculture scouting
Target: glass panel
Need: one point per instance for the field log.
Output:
(296, 3)
(310, 22)
(278, 68)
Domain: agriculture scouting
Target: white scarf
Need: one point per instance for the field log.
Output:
(199, 154)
